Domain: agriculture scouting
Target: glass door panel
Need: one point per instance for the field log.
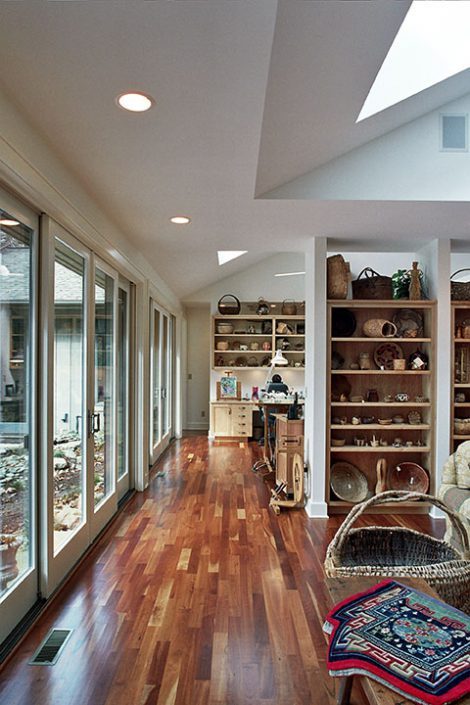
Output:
(69, 403)
(124, 391)
(164, 374)
(18, 578)
(102, 418)
(156, 371)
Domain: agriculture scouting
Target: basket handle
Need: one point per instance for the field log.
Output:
(368, 273)
(465, 269)
(334, 549)
(229, 296)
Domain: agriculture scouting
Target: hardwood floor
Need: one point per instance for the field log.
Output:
(198, 595)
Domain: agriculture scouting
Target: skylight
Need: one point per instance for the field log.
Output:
(431, 45)
(228, 255)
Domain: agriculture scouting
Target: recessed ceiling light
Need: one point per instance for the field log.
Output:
(7, 220)
(180, 220)
(135, 102)
(225, 256)
(289, 274)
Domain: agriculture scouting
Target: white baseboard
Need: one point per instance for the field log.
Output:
(196, 426)
(316, 510)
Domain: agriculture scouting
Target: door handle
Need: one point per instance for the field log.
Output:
(96, 426)
(78, 423)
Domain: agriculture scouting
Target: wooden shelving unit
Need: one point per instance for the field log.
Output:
(248, 330)
(416, 439)
(460, 372)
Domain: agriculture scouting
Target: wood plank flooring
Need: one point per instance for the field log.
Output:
(199, 595)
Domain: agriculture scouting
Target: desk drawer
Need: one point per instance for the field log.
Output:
(244, 429)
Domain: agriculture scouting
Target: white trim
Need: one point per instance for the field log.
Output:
(196, 426)
(316, 510)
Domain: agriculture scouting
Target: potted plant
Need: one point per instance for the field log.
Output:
(9, 545)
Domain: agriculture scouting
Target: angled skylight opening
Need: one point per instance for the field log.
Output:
(225, 256)
(431, 45)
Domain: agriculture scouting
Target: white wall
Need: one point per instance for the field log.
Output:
(405, 164)
(258, 280)
(197, 367)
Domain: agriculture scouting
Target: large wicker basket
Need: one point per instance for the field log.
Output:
(460, 291)
(371, 285)
(397, 551)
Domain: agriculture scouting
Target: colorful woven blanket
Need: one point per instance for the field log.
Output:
(413, 643)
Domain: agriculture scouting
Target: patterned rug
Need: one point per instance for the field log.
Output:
(414, 644)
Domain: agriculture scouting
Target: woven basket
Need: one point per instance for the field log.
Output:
(289, 308)
(337, 277)
(460, 291)
(462, 428)
(229, 305)
(400, 552)
(372, 285)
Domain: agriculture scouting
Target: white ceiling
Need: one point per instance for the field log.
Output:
(234, 113)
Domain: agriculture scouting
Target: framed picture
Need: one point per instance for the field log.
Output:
(229, 388)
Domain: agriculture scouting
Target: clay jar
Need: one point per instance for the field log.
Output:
(372, 395)
(379, 328)
(364, 361)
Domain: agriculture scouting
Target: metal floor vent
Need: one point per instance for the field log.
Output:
(51, 647)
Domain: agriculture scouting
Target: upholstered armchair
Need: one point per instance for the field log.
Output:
(455, 487)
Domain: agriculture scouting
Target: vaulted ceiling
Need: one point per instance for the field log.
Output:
(250, 94)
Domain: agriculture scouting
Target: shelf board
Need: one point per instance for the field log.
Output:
(383, 372)
(296, 352)
(243, 352)
(460, 437)
(380, 449)
(290, 335)
(243, 335)
(462, 403)
(426, 404)
(356, 339)
(233, 368)
(380, 427)
(461, 340)
(457, 385)
(255, 317)
(380, 303)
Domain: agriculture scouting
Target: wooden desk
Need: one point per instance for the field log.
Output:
(375, 693)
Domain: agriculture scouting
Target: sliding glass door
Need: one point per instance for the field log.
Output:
(18, 441)
(161, 337)
(80, 425)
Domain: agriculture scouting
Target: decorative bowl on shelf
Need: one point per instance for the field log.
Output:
(222, 345)
(402, 397)
(386, 354)
(348, 482)
(398, 418)
(385, 422)
(225, 328)
(338, 442)
(408, 476)
(357, 399)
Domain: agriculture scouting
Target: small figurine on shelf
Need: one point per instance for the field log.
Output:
(415, 292)
(254, 393)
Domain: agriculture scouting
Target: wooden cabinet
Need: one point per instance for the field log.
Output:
(231, 419)
(289, 441)
(460, 379)
(379, 413)
(260, 335)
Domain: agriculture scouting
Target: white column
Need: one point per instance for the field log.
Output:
(315, 375)
(434, 259)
